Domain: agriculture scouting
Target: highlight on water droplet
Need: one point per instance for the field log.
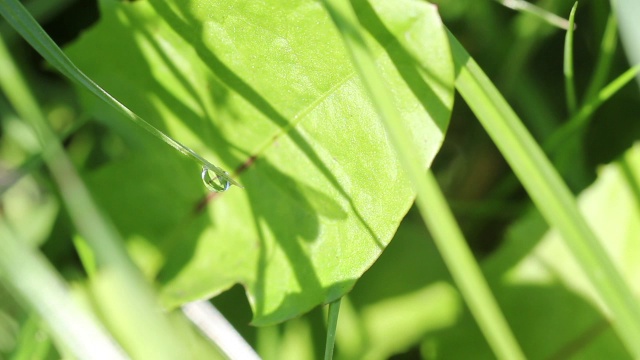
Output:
(216, 184)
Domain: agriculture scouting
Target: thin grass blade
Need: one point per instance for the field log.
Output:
(569, 83)
(548, 192)
(38, 284)
(135, 320)
(529, 8)
(15, 13)
(430, 200)
(332, 324)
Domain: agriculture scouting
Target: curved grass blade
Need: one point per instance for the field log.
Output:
(570, 86)
(15, 13)
(529, 8)
(215, 327)
(431, 202)
(32, 277)
(548, 192)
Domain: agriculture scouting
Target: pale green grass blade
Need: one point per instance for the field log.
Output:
(548, 192)
(569, 83)
(29, 28)
(218, 330)
(527, 7)
(430, 200)
(139, 326)
(29, 275)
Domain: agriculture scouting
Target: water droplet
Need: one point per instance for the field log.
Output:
(215, 184)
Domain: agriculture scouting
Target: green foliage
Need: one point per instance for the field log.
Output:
(323, 190)
(327, 113)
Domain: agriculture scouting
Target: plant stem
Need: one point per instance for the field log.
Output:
(332, 324)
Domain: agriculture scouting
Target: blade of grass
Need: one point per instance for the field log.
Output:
(28, 27)
(569, 84)
(140, 328)
(32, 162)
(548, 192)
(37, 283)
(216, 328)
(435, 212)
(605, 57)
(332, 324)
(527, 7)
(564, 134)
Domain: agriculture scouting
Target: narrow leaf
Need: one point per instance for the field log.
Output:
(548, 192)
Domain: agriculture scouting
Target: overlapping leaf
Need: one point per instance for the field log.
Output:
(265, 89)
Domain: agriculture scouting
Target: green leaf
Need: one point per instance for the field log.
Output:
(269, 91)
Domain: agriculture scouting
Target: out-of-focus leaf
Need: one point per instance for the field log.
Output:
(627, 12)
(34, 342)
(30, 211)
(407, 295)
(552, 307)
(266, 89)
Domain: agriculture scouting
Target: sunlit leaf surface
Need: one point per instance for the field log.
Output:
(266, 91)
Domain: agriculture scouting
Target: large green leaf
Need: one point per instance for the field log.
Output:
(267, 89)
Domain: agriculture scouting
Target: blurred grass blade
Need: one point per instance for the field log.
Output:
(28, 273)
(569, 83)
(219, 330)
(139, 325)
(605, 57)
(28, 27)
(332, 324)
(548, 192)
(433, 208)
(527, 7)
